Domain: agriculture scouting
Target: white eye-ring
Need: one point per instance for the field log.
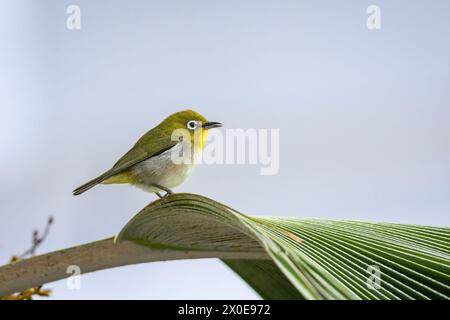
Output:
(192, 125)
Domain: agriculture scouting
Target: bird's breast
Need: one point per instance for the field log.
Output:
(163, 170)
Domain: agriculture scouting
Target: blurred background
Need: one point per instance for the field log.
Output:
(363, 118)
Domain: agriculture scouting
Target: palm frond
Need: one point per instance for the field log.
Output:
(321, 259)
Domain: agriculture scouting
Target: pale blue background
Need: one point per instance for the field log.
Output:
(363, 118)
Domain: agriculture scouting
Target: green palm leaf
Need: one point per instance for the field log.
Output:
(321, 259)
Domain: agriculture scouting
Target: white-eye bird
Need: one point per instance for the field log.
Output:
(150, 164)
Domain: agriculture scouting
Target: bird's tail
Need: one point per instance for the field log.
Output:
(91, 184)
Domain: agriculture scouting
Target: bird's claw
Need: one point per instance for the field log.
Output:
(168, 192)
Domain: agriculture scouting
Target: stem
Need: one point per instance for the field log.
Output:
(98, 255)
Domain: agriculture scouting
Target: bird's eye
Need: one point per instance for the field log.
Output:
(192, 125)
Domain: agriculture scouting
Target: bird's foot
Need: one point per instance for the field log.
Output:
(166, 190)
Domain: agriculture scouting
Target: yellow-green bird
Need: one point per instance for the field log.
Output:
(150, 163)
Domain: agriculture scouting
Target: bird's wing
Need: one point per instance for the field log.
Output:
(149, 145)
(135, 156)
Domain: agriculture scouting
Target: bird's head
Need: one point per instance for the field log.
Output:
(191, 122)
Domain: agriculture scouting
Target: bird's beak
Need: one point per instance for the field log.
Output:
(210, 125)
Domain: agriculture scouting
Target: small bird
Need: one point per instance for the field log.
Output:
(150, 164)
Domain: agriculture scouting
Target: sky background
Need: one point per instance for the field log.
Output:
(363, 116)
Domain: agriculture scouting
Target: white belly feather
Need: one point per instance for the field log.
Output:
(162, 170)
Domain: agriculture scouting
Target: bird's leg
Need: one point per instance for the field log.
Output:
(159, 195)
(167, 190)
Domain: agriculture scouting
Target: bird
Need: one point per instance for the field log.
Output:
(163, 158)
